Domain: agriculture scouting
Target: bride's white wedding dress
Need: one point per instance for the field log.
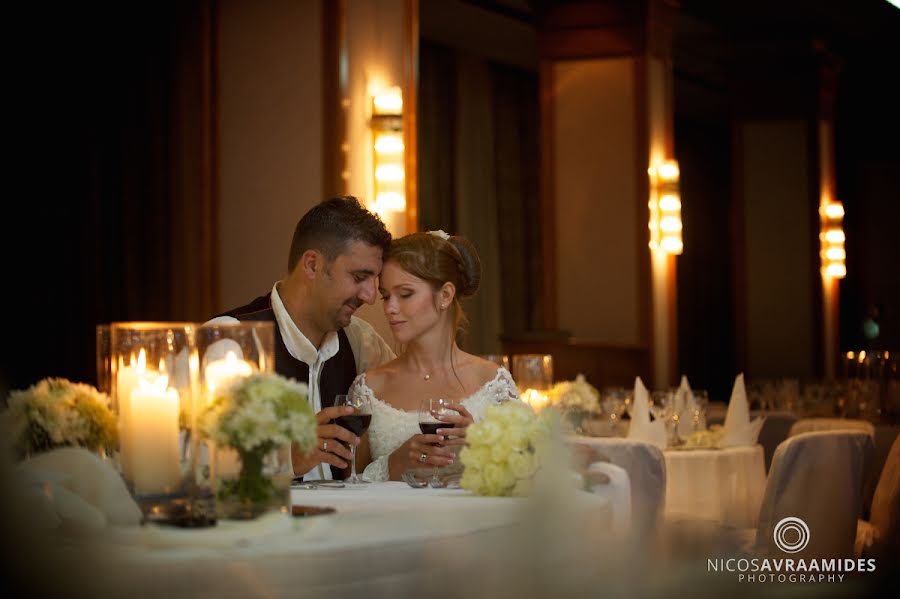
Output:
(390, 427)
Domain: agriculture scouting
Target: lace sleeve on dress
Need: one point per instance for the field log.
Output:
(377, 471)
(500, 389)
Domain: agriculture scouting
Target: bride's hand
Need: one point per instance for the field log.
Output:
(458, 424)
(410, 454)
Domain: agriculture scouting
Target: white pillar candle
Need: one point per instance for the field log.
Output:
(153, 435)
(217, 374)
(220, 372)
(127, 378)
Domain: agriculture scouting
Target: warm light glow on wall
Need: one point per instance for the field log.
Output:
(831, 240)
(388, 148)
(665, 208)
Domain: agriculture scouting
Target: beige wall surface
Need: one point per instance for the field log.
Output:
(595, 192)
(776, 188)
(269, 121)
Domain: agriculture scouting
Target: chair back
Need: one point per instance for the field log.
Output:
(809, 425)
(775, 429)
(646, 469)
(615, 486)
(886, 503)
(816, 477)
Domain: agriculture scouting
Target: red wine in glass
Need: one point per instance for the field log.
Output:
(357, 423)
(431, 428)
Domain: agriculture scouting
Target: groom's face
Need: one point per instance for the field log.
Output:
(347, 282)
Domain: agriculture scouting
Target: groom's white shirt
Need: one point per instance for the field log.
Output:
(369, 351)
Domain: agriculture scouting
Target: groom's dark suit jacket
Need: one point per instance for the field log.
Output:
(337, 373)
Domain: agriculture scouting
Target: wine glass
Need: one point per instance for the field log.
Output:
(662, 407)
(613, 404)
(429, 411)
(701, 401)
(357, 423)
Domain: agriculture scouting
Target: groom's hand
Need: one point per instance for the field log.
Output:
(332, 443)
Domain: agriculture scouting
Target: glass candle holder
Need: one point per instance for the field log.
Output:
(533, 371)
(228, 353)
(104, 360)
(154, 380)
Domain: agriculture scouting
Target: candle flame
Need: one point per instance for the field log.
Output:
(155, 386)
(141, 361)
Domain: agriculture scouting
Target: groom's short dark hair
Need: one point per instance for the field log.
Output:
(331, 225)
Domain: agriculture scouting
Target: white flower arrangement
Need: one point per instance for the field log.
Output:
(58, 413)
(575, 395)
(259, 413)
(506, 449)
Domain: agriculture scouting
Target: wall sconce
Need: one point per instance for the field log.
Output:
(388, 152)
(665, 208)
(831, 240)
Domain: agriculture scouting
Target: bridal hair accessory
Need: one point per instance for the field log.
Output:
(440, 233)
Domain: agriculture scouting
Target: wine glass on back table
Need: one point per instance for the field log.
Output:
(429, 411)
(357, 423)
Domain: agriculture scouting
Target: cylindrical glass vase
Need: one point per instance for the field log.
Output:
(155, 385)
(246, 483)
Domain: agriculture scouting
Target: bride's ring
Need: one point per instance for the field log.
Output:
(325, 445)
(423, 457)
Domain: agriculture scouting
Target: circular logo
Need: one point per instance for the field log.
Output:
(791, 534)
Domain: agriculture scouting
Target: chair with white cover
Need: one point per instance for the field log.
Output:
(808, 425)
(816, 477)
(612, 482)
(646, 468)
(880, 536)
(775, 429)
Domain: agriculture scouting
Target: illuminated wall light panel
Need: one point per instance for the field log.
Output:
(665, 208)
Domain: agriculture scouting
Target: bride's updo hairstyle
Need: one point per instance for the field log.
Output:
(436, 261)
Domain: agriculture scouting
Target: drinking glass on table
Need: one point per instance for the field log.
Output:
(430, 411)
(698, 418)
(662, 407)
(613, 403)
(357, 423)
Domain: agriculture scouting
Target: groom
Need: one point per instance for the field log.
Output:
(334, 261)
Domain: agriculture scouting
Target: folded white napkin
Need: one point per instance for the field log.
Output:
(685, 406)
(80, 489)
(738, 430)
(641, 428)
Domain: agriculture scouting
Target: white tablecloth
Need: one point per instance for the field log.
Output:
(723, 485)
(385, 539)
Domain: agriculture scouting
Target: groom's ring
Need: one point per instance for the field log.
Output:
(325, 445)
(423, 457)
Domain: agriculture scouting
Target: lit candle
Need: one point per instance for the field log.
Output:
(153, 429)
(217, 374)
(127, 379)
(536, 399)
(220, 372)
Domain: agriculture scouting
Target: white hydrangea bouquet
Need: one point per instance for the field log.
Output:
(59, 413)
(577, 400)
(506, 449)
(255, 416)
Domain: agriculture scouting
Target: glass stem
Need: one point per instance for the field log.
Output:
(353, 463)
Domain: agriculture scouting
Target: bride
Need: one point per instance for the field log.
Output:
(423, 279)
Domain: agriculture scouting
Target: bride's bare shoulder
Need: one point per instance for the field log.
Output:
(480, 370)
(380, 377)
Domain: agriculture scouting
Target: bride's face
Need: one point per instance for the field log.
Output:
(410, 304)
